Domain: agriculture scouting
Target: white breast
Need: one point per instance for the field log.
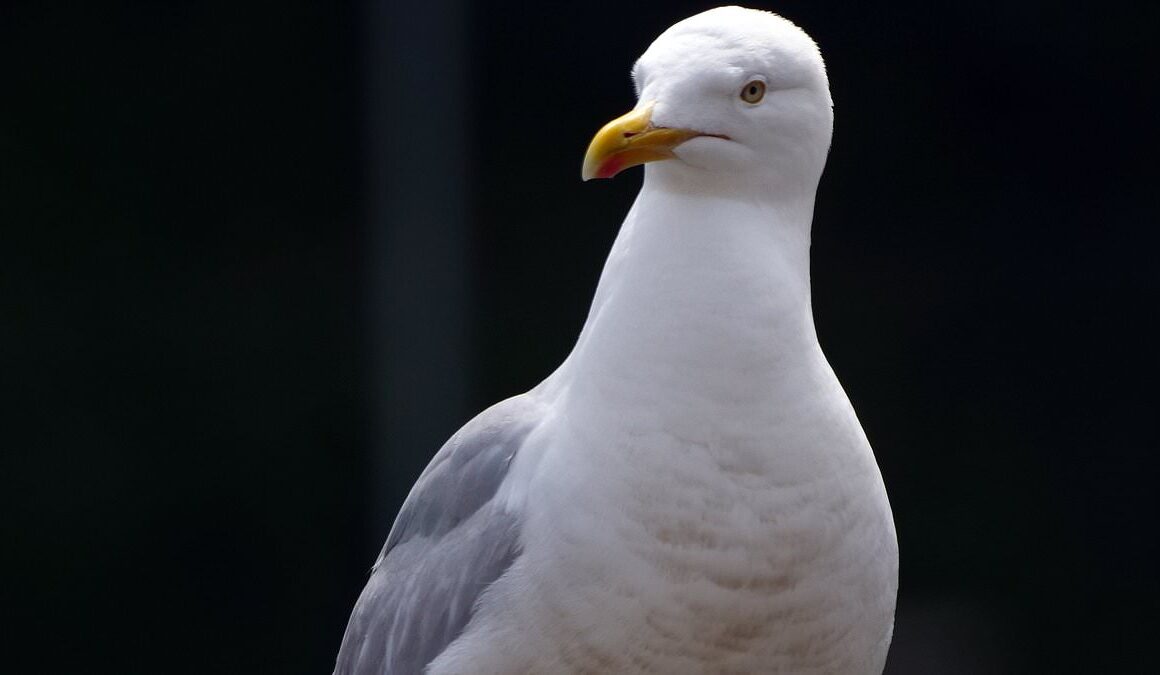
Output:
(662, 554)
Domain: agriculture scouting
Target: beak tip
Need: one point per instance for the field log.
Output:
(605, 168)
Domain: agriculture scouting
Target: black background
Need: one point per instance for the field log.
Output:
(197, 466)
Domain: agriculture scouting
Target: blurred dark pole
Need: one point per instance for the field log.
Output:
(416, 154)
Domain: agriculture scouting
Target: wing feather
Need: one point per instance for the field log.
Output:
(450, 541)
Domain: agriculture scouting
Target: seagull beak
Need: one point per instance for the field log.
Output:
(630, 140)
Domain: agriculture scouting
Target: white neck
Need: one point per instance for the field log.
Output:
(705, 294)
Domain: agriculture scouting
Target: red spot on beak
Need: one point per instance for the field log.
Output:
(610, 167)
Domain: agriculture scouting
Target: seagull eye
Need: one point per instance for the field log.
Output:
(753, 92)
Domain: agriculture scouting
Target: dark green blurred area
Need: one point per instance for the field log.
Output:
(187, 471)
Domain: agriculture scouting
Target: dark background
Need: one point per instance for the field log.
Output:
(260, 260)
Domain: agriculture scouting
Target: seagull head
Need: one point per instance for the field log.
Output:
(731, 95)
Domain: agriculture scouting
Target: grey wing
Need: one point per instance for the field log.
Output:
(450, 541)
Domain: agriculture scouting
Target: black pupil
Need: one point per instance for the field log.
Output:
(753, 90)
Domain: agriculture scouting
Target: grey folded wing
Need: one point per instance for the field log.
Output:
(450, 541)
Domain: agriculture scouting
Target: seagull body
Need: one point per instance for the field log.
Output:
(690, 491)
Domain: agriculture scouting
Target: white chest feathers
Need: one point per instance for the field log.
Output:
(661, 555)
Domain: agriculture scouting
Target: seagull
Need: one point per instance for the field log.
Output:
(690, 491)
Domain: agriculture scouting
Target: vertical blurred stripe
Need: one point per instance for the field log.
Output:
(416, 108)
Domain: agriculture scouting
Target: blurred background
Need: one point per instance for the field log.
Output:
(260, 259)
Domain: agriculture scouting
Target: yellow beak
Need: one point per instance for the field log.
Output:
(630, 140)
